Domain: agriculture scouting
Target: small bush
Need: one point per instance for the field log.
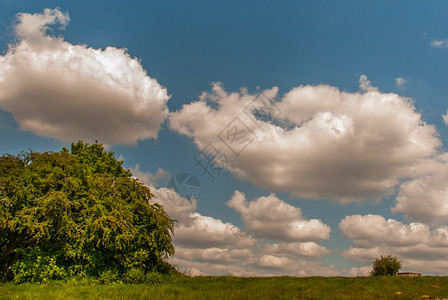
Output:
(153, 277)
(109, 276)
(386, 266)
(36, 267)
(136, 276)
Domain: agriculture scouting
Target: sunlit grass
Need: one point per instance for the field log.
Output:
(177, 287)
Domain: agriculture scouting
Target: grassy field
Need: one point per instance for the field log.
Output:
(241, 288)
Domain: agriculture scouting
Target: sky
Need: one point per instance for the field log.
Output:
(286, 137)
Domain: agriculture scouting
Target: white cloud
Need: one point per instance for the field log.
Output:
(149, 179)
(425, 198)
(70, 92)
(262, 265)
(438, 267)
(365, 85)
(194, 230)
(213, 254)
(400, 82)
(209, 246)
(206, 232)
(417, 245)
(373, 230)
(440, 43)
(175, 205)
(306, 250)
(365, 254)
(422, 259)
(320, 142)
(213, 247)
(34, 28)
(271, 218)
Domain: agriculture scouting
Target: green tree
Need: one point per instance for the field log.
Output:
(385, 266)
(78, 213)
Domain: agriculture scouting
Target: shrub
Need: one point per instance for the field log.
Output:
(36, 266)
(385, 266)
(78, 213)
(109, 276)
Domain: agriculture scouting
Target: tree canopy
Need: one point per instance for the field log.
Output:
(385, 266)
(78, 212)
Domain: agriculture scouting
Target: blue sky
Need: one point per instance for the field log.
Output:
(349, 164)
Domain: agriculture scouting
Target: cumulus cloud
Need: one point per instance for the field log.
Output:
(70, 92)
(205, 232)
(213, 255)
(263, 265)
(271, 218)
(440, 43)
(213, 247)
(176, 206)
(425, 198)
(306, 250)
(151, 180)
(422, 259)
(415, 244)
(209, 246)
(316, 142)
(372, 230)
(34, 27)
(194, 230)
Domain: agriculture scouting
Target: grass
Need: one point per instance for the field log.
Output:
(183, 287)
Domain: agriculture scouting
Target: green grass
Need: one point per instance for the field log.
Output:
(177, 287)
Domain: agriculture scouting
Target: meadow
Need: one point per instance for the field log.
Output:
(185, 287)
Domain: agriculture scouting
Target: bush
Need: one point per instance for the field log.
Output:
(153, 277)
(385, 266)
(78, 213)
(109, 276)
(36, 267)
(134, 276)
(139, 276)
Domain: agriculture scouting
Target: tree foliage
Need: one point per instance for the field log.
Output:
(386, 266)
(78, 213)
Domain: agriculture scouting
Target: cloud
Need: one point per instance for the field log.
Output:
(306, 250)
(271, 218)
(34, 28)
(422, 259)
(373, 230)
(425, 198)
(152, 180)
(214, 247)
(219, 262)
(417, 245)
(70, 92)
(206, 232)
(210, 246)
(269, 244)
(445, 118)
(194, 230)
(400, 82)
(177, 207)
(315, 142)
(440, 43)
(212, 254)
(365, 85)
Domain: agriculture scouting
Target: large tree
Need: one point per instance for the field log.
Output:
(78, 212)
